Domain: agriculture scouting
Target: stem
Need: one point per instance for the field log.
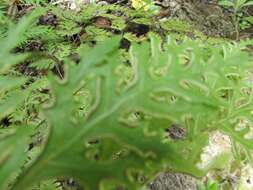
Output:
(236, 24)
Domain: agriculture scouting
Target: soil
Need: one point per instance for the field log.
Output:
(206, 15)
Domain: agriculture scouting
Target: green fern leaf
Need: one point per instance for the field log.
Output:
(174, 85)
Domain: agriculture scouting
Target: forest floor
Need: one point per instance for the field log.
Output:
(197, 19)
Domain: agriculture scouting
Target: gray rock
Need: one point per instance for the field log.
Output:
(173, 181)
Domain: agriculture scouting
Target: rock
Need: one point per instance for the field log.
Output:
(173, 181)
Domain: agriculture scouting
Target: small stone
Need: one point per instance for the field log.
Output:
(173, 181)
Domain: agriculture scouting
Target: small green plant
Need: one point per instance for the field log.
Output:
(209, 186)
(247, 22)
(237, 6)
(147, 5)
